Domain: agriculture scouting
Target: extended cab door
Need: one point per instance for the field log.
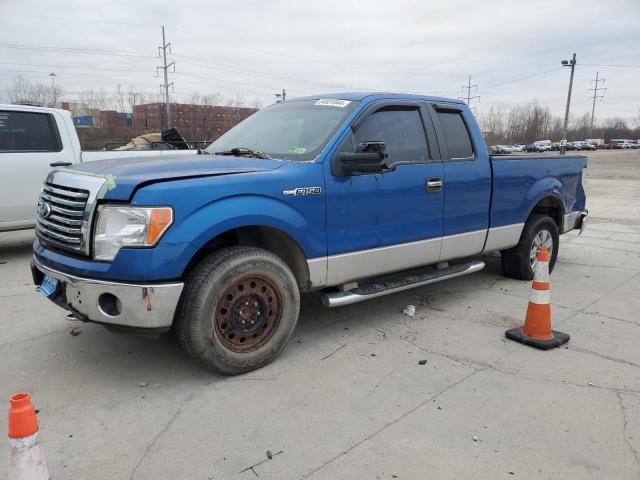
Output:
(383, 222)
(467, 181)
(29, 143)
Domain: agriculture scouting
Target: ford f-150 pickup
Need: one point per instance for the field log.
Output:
(352, 196)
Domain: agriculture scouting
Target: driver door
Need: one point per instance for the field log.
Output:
(383, 222)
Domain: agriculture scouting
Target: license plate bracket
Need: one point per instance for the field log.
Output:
(48, 287)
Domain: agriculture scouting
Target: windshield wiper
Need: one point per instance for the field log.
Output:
(243, 152)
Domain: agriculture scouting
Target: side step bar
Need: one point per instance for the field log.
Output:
(397, 283)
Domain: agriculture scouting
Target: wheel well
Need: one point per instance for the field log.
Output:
(267, 238)
(552, 207)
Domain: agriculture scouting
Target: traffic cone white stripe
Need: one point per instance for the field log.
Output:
(26, 460)
(540, 297)
(541, 272)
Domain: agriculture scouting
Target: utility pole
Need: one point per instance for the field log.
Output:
(595, 96)
(563, 143)
(281, 96)
(164, 88)
(469, 87)
(53, 89)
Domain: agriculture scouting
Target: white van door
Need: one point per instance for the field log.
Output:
(29, 143)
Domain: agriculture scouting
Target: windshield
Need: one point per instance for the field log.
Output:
(292, 130)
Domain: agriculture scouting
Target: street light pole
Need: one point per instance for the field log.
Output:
(572, 64)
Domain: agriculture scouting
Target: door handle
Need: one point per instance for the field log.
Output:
(433, 185)
(60, 164)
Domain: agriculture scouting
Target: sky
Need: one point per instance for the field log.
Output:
(511, 48)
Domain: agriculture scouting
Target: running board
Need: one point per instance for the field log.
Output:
(397, 283)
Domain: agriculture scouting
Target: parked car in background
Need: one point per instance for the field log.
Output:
(619, 143)
(595, 141)
(33, 141)
(518, 148)
(543, 145)
(502, 149)
(539, 146)
(585, 145)
(531, 148)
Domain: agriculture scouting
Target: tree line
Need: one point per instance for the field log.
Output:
(121, 99)
(503, 124)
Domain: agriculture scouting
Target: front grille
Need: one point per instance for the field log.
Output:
(61, 213)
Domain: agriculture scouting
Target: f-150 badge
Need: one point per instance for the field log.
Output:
(302, 191)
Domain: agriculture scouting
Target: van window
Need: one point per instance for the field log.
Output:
(456, 134)
(28, 132)
(400, 129)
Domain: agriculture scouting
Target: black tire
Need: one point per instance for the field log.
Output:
(216, 328)
(516, 262)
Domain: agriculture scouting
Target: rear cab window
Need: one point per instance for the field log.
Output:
(456, 134)
(28, 132)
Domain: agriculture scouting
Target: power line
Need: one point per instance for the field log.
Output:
(610, 65)
(259, 73)
(73, 67)
(70, 73)
(523, 78)
(75, 19)
(233, 82)
(85, 51)
(594, 97)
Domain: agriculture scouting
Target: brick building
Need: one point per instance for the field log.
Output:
(194, 122)
(111, 119)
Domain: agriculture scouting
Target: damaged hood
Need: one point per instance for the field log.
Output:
(128, 174)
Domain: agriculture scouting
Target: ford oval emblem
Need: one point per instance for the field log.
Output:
(44, 209)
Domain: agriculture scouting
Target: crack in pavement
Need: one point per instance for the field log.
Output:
(164, 429)
(27, 340)
(625, 425)
(388, 424)
(602, 355)
(610, 317)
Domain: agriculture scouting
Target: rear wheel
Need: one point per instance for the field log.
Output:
(519, 262)
(239, 309)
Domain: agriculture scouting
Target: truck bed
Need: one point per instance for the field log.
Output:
(518, 180)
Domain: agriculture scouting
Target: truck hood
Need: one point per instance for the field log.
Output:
(129, 174)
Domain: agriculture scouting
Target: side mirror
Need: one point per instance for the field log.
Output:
(370, 157)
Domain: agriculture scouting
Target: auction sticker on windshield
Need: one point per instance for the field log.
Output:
(333, 102)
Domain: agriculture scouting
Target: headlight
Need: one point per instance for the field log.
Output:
(128, 227)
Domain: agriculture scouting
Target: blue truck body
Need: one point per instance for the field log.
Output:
(331, 229)
(212, 195)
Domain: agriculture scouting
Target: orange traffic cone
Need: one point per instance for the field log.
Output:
(26, 461)
(536, 330)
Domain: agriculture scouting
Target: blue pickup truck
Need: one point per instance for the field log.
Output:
(350, 195)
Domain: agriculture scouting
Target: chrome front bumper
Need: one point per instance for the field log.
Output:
(148, 306)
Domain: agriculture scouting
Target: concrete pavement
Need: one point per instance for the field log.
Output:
(349, 398)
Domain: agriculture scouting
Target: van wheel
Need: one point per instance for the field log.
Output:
(518, 262)
(239, 308)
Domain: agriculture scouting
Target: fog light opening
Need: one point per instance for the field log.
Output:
(109, 305)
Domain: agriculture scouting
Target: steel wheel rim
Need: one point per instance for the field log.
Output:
(247, 314)
(543, 237)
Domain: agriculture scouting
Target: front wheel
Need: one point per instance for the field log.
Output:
(239, 309)
(519, 262)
